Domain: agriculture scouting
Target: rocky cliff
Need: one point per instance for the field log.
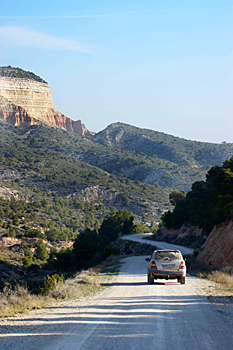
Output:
(26, 99)
(218, 248)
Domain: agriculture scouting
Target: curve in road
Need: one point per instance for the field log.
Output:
(141, 238)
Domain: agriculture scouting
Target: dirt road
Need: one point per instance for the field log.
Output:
(130, 314)
(141, 238)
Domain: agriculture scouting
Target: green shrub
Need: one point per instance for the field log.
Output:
(50, 283)
(27, 260)
(65, 258)
(108, 250)
(41, 251)
(3, 259)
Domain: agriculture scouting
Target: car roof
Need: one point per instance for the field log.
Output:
(166, 250)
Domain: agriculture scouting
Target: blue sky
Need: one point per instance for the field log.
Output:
(163, 65)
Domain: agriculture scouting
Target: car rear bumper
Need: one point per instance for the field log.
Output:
(168, 274)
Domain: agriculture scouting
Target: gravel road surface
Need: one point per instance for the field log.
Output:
(141, 238)
(130, 314)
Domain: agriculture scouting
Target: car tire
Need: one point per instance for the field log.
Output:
(150, 279)
(182, 280)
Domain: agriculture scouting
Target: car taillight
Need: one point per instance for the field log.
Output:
(153, 264)
(182, 264)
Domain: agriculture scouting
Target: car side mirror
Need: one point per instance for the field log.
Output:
(147, 259)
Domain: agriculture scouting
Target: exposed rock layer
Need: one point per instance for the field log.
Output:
(218, 248)
(25, 102)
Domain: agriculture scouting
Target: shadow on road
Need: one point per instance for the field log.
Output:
(128, 317)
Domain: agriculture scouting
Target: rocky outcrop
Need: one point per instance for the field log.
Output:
(118, 135)
(114, 197)
(26, 100)
(16, 115)
(218, 248)
(10, 193)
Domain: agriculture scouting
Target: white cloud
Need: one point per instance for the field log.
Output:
(57, 17)
(18, 36)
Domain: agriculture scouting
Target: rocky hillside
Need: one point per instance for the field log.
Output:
(153, 157)
(26, 99)
(48, 160)
(158, 144)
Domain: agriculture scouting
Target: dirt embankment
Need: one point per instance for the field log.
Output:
(215, 251)
(218, 248)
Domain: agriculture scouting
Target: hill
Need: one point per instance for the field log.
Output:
(153, 157)
(174, 149)
(39, 161)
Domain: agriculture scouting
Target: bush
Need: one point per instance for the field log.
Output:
(85, 247)
(41, 251)
(50, 283)
(119, 223)
(65, 258)
(108, 250)
(27, 260)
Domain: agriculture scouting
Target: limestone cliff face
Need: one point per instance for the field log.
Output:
(25, 101)
(16, 115)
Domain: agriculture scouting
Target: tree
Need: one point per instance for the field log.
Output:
(125, 201)
(108, 250)
(1, 212)
(223, 182)
(52, 234)
(119, 223)
(65, 258)
(41, 251)
(176, 196)
(208, 203)
(89, 244)
(85, 247)
(27, 260)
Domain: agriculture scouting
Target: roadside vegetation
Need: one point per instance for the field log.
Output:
(55, 280)
(36, 273)
(209, 202)
(19, 299)
(223, 277)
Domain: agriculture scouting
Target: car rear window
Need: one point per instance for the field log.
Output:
(166, 255)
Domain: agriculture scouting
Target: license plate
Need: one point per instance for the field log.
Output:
(168, 266)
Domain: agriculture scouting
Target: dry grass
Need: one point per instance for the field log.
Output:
(222, 277)
(19, 299)
(73, 288)
(87, 281)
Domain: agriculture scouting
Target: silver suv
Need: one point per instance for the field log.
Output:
(166, 264)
